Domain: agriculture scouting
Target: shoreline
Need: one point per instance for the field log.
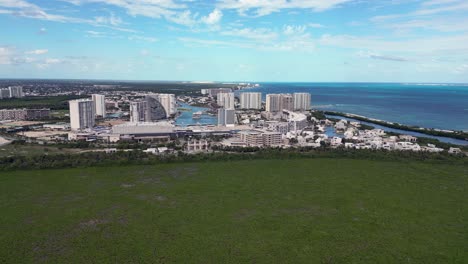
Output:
(428, 131)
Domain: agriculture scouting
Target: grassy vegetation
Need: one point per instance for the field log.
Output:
(52, 102)
(33, 150)
(262, 211)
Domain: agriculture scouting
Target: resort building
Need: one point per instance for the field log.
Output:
(82, 115)
(225, 100)
(254, 138)
(251, 100)
(279, 102)
(226, 117)
(168, 101)
(301, 101)
(99, 105)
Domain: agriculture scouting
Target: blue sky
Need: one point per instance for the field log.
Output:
(236, 40)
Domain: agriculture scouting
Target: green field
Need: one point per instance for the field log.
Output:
(260, 211)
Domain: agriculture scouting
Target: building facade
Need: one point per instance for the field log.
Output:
(301, 101)
(99, 101)
(138, 111)
(154, 109)
(226, 117)
(82, 114)
(24, 114)
(279, 102)
(251, 100)
(254, 138)
(225, 100)
(11, 92)
(168, 101)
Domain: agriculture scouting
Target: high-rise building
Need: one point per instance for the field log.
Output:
(138, 111)
(251, 100)
(4, 93)
(168, 101)
(99, 101)
(16, 91)
(154, 109)
(279, 102)
(301, 101)
(225, 100)
(82, 114)
(226, 117)
(214, 92)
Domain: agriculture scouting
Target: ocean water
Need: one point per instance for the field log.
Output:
(442, 106)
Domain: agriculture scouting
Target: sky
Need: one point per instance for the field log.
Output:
(236, 40)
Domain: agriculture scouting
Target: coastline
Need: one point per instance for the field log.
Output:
(459, 135)
(4, 141)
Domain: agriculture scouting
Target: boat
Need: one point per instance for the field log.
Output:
(197, 115)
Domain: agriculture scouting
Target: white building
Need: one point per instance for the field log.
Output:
(99, 101)
(251, 100)
(138, 111)
(11, 92)
(301, 101)
(168, 101)
(226, 117)
(279, 102)
(82, 114)
(225, 100)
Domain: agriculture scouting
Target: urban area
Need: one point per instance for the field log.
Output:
(211, 119)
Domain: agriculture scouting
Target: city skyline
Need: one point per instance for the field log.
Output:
(232, 40)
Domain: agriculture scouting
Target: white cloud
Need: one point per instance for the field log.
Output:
(266, 7)
(37, 52)
(142, 38)
(291, 30)
(213, 18)
(260, 34)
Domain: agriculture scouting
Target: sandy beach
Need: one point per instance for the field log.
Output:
(3, 141)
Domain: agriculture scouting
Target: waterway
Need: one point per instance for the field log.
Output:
(185, 119)
(412, 133)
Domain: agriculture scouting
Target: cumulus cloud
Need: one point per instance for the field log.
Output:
(213, 18)
(37, 52)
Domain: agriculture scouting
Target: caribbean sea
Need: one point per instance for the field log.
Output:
(442, 106)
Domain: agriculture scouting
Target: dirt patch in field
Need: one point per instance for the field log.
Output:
(127, 185)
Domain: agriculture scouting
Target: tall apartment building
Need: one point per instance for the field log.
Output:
(138, 111)
(168, 101)
(279, 102)
(16, 91)
(99, 101)
(11, 92)
(154, 109)
(216, 91)
(301, 101)
(251, 100)
(226, 117)
(82, 114)
(225, 100)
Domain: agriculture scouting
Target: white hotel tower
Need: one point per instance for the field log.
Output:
(251, 100)
(226, 100)
(301, 101)
(82, 114)
(99, 105)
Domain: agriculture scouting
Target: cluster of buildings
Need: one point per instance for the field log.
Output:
(23, 114)
(153, 107)
(11, 92)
